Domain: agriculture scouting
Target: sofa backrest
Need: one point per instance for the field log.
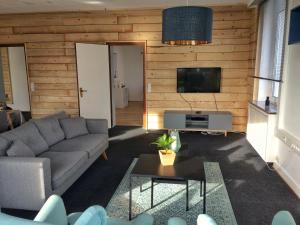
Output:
(58, 115)
(38, 135)
(29, 135)
(50, 129)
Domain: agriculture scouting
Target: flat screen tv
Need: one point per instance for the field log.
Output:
(198, 80)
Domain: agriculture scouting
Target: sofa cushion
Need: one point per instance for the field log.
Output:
(50, 130)
(58, 115)
(4, 144)
(64, 165)
(30, 135)
(90, 143)
(74, 127)
(9, 136)
(19, 149)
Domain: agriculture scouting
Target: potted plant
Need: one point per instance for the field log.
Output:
(166, 154)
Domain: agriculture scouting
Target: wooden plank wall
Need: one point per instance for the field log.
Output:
(51, 58)
(6, 75)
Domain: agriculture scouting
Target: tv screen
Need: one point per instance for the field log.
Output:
(198, 80)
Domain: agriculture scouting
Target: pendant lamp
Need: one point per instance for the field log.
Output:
(187, 25)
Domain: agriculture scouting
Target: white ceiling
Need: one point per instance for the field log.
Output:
(26, 6)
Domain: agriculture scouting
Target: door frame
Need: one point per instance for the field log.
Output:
(144, 45)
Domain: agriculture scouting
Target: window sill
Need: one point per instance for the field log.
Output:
(271, 109)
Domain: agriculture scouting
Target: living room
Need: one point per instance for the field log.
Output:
(218, 87)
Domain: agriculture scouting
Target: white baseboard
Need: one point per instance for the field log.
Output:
(287, 178)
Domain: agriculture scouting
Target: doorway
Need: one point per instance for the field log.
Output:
(14, 86)
(127, 84)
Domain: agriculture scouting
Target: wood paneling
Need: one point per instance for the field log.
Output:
(50, 46)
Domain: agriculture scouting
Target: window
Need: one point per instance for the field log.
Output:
(278, 56)
(270, 48)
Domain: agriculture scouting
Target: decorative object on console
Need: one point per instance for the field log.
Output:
(187, 25)
(176, 145)
(267, 102)
(166, 154)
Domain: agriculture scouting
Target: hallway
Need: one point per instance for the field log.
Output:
(132, 115)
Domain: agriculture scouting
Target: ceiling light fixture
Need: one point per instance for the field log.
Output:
(187, 25)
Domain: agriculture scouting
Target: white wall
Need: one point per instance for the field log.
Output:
(129, 67)
(19, 81)
(113, 70)
(287, 157)
(288, 165)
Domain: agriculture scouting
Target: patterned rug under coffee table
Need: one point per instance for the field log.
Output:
(169, 199)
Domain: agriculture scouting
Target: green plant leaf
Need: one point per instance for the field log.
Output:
(164, 142)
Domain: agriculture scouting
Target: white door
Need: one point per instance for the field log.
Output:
(94, 81)
(18, 76)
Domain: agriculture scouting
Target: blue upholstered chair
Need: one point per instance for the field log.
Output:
(53, 212)
(281, 218)
(203, 219)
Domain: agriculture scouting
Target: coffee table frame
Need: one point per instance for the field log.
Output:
(170, 180)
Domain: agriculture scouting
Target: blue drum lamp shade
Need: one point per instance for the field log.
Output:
(187, 25)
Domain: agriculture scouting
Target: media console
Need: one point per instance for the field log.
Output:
(198, 120)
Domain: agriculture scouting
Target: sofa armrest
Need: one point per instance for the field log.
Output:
(92, 215)
(25, 183)
(12, 220)
(53, 211)
(176, 221)
(97, 126)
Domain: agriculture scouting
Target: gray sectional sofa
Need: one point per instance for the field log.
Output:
(46, 156)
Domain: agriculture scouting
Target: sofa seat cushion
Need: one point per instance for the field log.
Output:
(90, 143)
(29, 134)
(50, 130)
(64, 165)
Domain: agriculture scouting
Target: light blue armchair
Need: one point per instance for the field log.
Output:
(281, 218)
(203, 219)
(53, 212)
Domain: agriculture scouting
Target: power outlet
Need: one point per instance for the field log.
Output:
(149, 87)
(32, 87)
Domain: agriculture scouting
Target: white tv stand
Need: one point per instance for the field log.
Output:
(198, 120)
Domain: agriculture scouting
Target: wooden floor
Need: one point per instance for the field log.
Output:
(131, 115)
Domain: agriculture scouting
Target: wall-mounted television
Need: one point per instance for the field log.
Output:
(199, 80)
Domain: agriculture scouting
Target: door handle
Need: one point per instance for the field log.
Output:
(81, 91)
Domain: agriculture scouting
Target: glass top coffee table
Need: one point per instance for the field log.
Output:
(184, 169)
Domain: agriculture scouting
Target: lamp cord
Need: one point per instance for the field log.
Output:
(191, 107)
(215, 100)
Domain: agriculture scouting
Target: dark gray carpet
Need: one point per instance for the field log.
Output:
(256, 193)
